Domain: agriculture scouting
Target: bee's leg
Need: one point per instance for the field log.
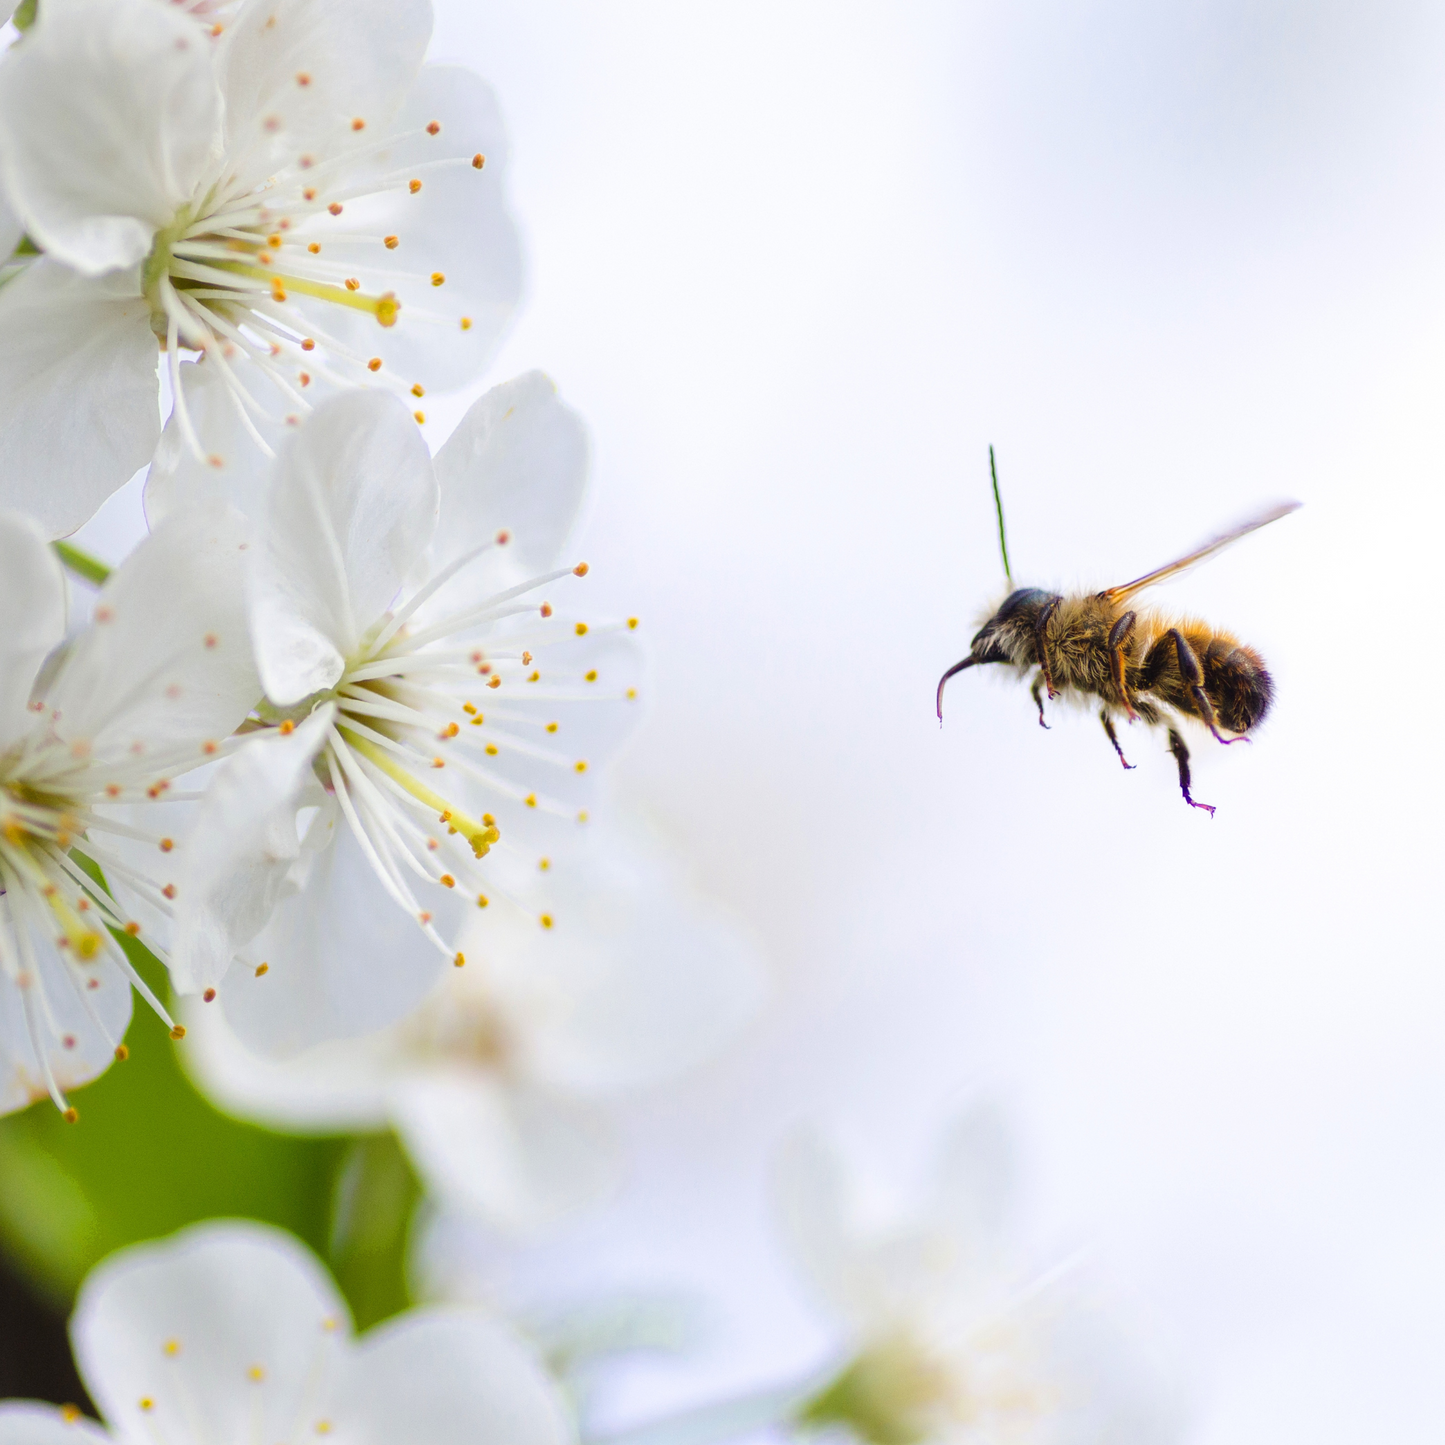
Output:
(1192, 677)
(1113, 736)
(1181, 756)
(1037, 693)
(1118, 636)
(1049, 608)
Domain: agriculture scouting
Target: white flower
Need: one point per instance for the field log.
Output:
(229, 1334)
(89, 744)
(946, 1339)
(497, 1083)
(434, 720)
(293, 194)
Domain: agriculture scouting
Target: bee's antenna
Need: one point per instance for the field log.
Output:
(957, 667)
(998, 507)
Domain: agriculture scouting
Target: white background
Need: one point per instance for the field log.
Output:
(799, 264)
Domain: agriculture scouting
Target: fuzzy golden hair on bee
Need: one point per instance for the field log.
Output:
(1137, 664)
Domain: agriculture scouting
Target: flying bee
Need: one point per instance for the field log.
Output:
(1138, 663)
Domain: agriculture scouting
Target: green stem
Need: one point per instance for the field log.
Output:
(82, 564)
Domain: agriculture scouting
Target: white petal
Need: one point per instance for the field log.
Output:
(234, 467)
(810, 1188)
(636, 981)
(32, 604)
(90, 1004)
(517, 462)
(166, 666)
(358, 57)
(335, 1088)
(593, 720)
(456, 225)
(448, 1377)
(344, 960)
(350, 508)
(12, 228)
(109, 114)
(521, 1156)
(239, 850)
(974, 1182)
(23, 1423)
(184, 1322)
(78, 391)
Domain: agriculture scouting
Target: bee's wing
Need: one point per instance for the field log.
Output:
(1216, 544)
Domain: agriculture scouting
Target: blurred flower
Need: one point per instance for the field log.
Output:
(414, 772)
(293, 194)
(234, 1332)
(495, 1084)
(947, 1340)
(89, 743)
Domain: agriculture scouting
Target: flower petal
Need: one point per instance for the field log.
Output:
(334, 1088)
(223, 1329)
(166, 666)
(358, 59)
(520, 1155)
(239, 850)
(234, 469)
(32, 604)
(448, 1377)
(89, 1006)
(350, 508)
(636, 981)
(109, 115)
(455, 225)
(25, 1423)
(517, 462)
(343, 960)
(78, 391)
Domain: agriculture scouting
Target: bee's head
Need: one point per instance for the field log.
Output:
(999, 639)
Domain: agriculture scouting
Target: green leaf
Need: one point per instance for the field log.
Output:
(375, 1200)
(149, 1156)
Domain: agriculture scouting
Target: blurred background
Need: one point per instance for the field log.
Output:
(799, 265)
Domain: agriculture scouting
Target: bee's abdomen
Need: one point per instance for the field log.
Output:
(1237, 683)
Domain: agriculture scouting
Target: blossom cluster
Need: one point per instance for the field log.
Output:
(327, 747)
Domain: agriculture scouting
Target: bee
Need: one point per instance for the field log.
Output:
(1138, 663)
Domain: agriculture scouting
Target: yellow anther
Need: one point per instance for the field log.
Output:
(466, 323)
(420, 417)
(447, 881)
(374, 364)
(178, 1032)
(418, 390)
(482, 900)
(262, 969)
(352, 283)
(480, 835)
(173, 1348)
(546, 920)
(256, 1373)
(632, 621)
(438, 278)
(468, 708)
(491, 750)
(544, 864)
(121, 1053)
(287, 728)
(71, 1115)
(531, 800)
(146, 1403)
(580, 765)
(391, 242)
(581, 629)
(580, 570)
(413, 186)
(551, 727)
(590, 676)
(460, 960)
